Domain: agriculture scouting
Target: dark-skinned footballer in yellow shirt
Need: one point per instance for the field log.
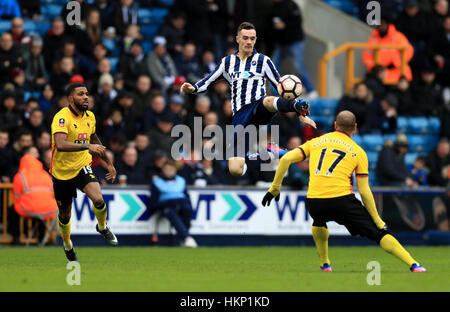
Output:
(333, 157)
(73, 141)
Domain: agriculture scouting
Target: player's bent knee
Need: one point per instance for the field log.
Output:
(268, 103)
(381, 233)
(98, 203)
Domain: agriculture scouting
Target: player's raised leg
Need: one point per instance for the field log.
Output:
(64, 215)
(320, 236)
(93, 191)
(300, 106)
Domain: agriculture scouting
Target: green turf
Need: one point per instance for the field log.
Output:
(219, 269)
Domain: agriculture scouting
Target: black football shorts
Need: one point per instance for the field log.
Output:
(65, 190)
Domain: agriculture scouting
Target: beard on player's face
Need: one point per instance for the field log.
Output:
(79, 105)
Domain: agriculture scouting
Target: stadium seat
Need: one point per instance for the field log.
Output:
(149, 31)
(323, 106)
(373, 181)
(390, 137)
(357, 139)
(402, 124)
(113, 61)
(158, 15)
(418, 125)
(4, 26)
(166, 2)
(373, 142)
(422, 143)
(372, 157)
(145, 16)
(29, 26)
(50, 11)
(410, 158)
(324, 123)
(434, 124)
(42, 27)
(147, 46)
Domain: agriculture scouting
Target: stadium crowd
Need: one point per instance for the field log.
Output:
(134, 82)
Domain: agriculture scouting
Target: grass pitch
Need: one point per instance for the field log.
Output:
(246, 269)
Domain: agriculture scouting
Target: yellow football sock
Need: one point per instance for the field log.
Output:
(392, 246)
(320, 235)
(64, 229)
(100, 213)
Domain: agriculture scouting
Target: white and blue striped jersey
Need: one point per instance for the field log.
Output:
(247, 78)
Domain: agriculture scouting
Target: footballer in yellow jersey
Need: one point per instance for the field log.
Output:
(73, 141)
(333, 158)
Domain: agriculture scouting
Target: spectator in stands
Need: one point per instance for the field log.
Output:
(85, 7)
(226, 113)
(20, 85)
(440, 52)
(391, 168)
(117, 144)
(89, 33)
(6, 157)
(402, 92)
(10, 57)
(187, 63)
(53, 41)
(124, 102)
(427, 93)
(161, 66)
(33, 189)
(438, 163)
(35, 123)
(202, 107)
(374, 81)
(61, 102)
(289, 38)
(43, 142)
(31, 104)
(359, 101)
(197, 18)
(35, 72)
(214, 174)
(9, 9)
(193, 171)
(111, 41)
(30, 9)
(160, 137)
(298, 174)
(130, 167)
(418, 171)
(24, 140)
(105, 95)
(124, 14)
(101, 170)
(142, 144)
(19, 37)
(218, 94)
(386, 33)
(133, 33)
(289, 126)
(385, 119)
(133, 64)
(414, 24)
(9, 113)
(142, 94)
(154, 111)
(66, 70)
(169, 196)
(439, 12)
(176, 107)
(46, 98)
(219, 25)
(113, 125)
(159, 159)
(208, 63)
(105, 8)
(175, 33)
(103, 67)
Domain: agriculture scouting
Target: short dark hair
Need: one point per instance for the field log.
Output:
(346, 121)
(245, 25)
(32, 99)
(73, 86)
(23, 132)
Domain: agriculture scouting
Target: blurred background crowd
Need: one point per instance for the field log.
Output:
(134, 55)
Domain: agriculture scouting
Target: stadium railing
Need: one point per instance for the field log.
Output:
(6, 191)
(349, 49)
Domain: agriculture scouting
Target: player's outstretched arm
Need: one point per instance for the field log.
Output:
(291, 157)
(65, 146)
(369, 202)
(111, 175)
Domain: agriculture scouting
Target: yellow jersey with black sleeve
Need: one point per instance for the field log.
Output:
(333, 157)
(79, 128)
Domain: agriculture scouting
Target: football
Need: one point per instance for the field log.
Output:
(290, 87)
